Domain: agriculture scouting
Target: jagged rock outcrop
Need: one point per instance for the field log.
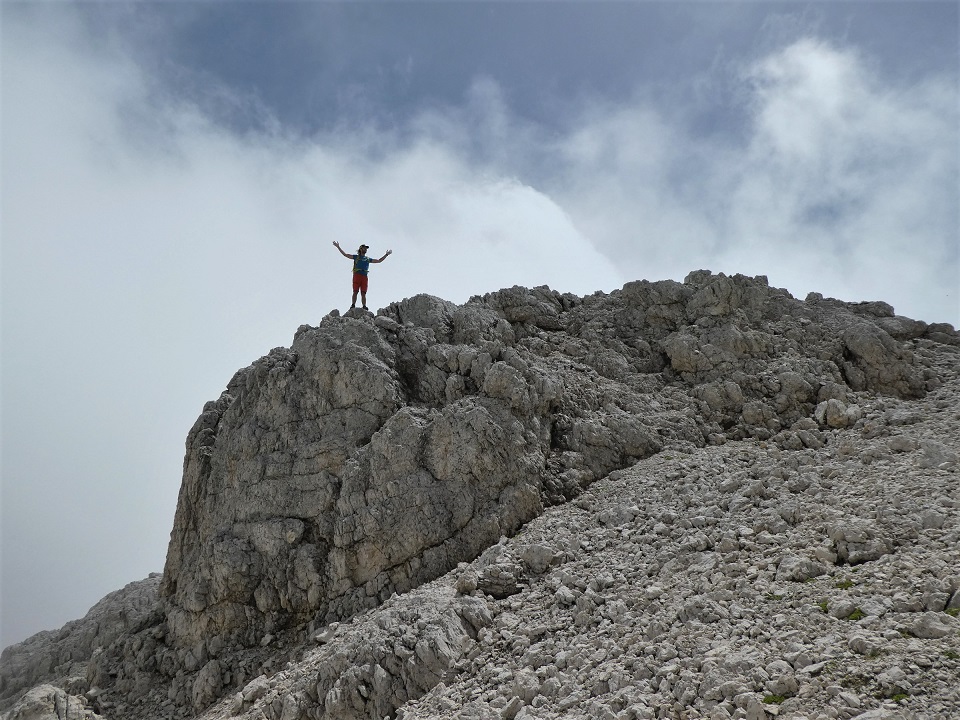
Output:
(66, 653)
(374, 455)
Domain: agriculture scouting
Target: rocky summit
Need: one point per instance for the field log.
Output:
(705, 499)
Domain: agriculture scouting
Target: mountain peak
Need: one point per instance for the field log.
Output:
(333, 479)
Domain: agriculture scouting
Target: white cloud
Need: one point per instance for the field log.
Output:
(852, 179)
(841, 184)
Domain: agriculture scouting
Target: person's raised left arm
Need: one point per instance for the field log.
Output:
(388, 252)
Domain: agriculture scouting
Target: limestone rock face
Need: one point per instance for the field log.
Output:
(346, 521)
(376, 453)
(349, 467)
(877, 361)
(65, 653)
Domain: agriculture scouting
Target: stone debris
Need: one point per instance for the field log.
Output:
(46, 702)
(643, 621)
(66, 654)
(679, 500)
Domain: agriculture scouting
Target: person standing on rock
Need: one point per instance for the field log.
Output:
(361, 264)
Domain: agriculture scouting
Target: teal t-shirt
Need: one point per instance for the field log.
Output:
(361, 263)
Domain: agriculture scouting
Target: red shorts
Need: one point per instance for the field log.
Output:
(360, 283)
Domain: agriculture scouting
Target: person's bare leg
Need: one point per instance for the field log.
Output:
(363, 298)
(353, 300)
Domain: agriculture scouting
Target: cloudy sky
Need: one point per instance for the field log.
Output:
(173, 175)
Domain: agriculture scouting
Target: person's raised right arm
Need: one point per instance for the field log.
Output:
(337, 246)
